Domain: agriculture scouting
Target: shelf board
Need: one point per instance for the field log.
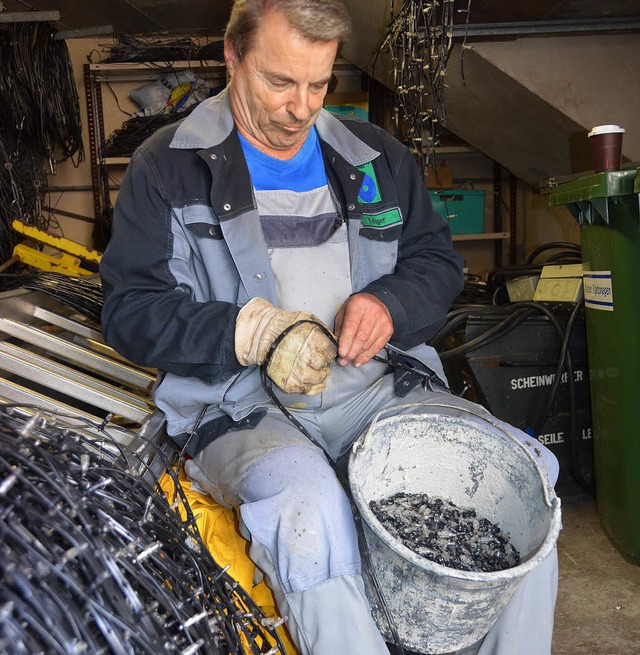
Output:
(159, 66)
(135, 71)
(457, 150)
(482, 236)
(116, 161)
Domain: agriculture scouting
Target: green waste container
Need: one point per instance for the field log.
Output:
(607, 207)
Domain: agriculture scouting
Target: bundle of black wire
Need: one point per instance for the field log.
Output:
(418, 41)
(82, 294)
(94, 560)
(131, 48)
(39, 121)
(123, 141)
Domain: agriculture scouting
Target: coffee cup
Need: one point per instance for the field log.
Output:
(606, 147)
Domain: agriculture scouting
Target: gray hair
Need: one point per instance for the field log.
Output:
(315, 20)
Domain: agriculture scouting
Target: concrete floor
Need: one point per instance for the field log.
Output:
(598, 606)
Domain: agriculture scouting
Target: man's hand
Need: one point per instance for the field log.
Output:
(300, 362)
(363, 326)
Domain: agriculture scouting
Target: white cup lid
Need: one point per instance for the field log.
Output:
(606, 129)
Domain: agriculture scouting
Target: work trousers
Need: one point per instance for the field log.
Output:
(298, 519)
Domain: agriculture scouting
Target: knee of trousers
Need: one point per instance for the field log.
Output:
(293, 504)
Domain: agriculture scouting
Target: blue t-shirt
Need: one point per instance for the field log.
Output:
(303, 172)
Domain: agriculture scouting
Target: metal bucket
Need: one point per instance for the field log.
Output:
(463, 457)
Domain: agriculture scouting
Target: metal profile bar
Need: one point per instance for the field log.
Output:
(99, 346)
(15, 393)
(497, 212)
(513, 216)
(31, 359)
(124, 68)
(543, 27)
(31, 402)
(29, 16)
(52, 376)
(66, 323)
(73, 353)
(84, 32)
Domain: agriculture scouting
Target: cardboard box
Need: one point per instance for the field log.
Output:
(439, 176)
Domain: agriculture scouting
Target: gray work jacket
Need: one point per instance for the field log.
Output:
(187, 252)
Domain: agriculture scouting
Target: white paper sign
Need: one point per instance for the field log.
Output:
(598, 291)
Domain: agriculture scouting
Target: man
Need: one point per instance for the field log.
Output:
(257, 211)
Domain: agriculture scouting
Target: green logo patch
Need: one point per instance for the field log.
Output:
(369, 191)
(385, 219)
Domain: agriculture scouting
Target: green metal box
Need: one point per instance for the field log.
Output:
(464, 209)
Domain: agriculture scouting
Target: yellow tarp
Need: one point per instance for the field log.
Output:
(218, 527)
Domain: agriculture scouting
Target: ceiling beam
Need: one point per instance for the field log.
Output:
(543, 27)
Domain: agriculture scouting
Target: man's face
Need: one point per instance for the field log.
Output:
(277, 90)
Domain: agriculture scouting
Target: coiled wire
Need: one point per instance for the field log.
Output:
(93, 560)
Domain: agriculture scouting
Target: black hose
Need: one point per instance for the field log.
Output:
(574, 247)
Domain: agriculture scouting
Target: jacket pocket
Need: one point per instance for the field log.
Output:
(201, 221)
(383, 226)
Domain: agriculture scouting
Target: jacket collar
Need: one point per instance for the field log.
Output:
(211, 123)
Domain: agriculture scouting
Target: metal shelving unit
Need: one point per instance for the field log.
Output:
(95, 75)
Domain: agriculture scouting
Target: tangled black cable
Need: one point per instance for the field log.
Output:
(123, 141)
(39, 121)
(83, 294)
(131, 48)
(94, 560)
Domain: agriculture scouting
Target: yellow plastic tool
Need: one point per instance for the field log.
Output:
(67, 260)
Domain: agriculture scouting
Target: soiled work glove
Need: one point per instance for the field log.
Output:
(300, 362)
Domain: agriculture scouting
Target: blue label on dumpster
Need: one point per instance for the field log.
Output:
(598, 291)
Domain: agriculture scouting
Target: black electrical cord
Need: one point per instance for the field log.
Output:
(364, 547)
(123, 141)
(564, 354)
(511, 321)
(83, 294)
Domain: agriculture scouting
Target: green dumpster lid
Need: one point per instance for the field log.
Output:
(596, 185)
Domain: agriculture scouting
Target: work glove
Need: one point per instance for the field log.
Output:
(300, 362)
